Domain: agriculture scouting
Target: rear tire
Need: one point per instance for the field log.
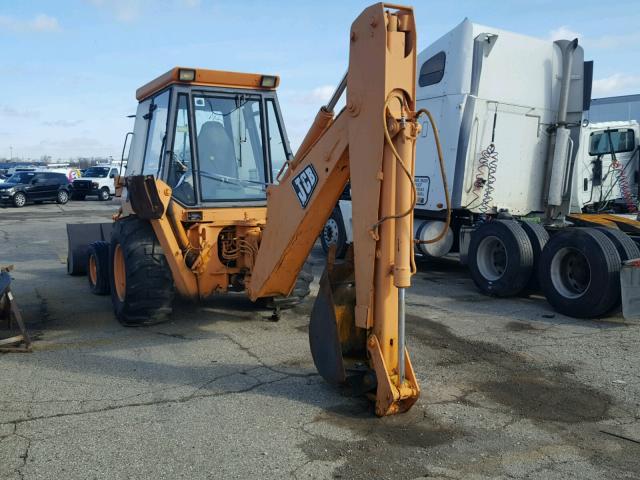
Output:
(580, 272)
(63, 197)
(142, 288)
(538, 237)
(103, 194)
(500, 258)
(627, 248)
(19, 200)
(98, 268)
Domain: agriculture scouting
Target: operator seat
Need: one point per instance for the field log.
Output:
(215, 150)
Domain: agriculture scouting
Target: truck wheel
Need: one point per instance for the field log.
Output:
(334, 232)
(63, 197)
(580, 272)
(500, 258)
(98, 268)
(19, 200)
(77, 196)
(103, 194)
(538, 237)
(142, 289)
(627, 248)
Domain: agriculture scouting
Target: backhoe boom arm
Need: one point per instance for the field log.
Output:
(371, 143)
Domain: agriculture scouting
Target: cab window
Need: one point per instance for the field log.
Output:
(180, 176)
(621, 140)
(432, 70)
(277, 150)
(157, 133)
(230, 149)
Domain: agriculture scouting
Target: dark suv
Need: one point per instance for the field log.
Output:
(23, 187)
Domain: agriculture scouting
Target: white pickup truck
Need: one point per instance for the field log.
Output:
(98, 181)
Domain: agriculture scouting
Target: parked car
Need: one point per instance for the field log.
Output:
(99, 181)
(23, 187)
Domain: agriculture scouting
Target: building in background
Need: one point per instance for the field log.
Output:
(609, 109)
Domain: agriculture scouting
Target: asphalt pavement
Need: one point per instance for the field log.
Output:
(510, 389)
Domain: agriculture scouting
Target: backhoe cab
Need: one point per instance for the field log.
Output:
(212, 136)
(205, 146)
(213, 201)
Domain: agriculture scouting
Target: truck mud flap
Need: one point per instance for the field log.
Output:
(79, 236)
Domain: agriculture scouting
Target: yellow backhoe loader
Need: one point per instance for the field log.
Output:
(214, 201)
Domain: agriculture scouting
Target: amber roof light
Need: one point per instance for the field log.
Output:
(200, 76)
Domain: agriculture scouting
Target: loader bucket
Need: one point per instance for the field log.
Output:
(79, 236)
(336, 344)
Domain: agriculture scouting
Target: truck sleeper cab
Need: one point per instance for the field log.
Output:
(520, 165)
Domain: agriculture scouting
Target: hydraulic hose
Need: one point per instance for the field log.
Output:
(443, 175)
(414, 194)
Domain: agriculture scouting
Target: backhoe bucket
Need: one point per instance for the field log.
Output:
(336, 344)
(79, 236)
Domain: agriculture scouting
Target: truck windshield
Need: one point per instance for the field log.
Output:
(96, 172)
(622, 140)
(229, 144)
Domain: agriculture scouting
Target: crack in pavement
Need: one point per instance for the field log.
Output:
(248, 351)
(24, 456)
(165, 401)
(187, 398)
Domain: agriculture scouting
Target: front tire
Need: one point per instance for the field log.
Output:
(103, 194)
(98, 268)
(142, 288)
(19, 200)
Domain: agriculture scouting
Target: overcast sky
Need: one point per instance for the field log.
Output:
(70, 68)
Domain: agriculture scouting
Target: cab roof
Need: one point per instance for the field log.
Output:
(203, 77)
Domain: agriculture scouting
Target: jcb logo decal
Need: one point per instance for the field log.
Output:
(304, 183)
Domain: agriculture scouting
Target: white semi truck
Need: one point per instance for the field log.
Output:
(522, 168)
